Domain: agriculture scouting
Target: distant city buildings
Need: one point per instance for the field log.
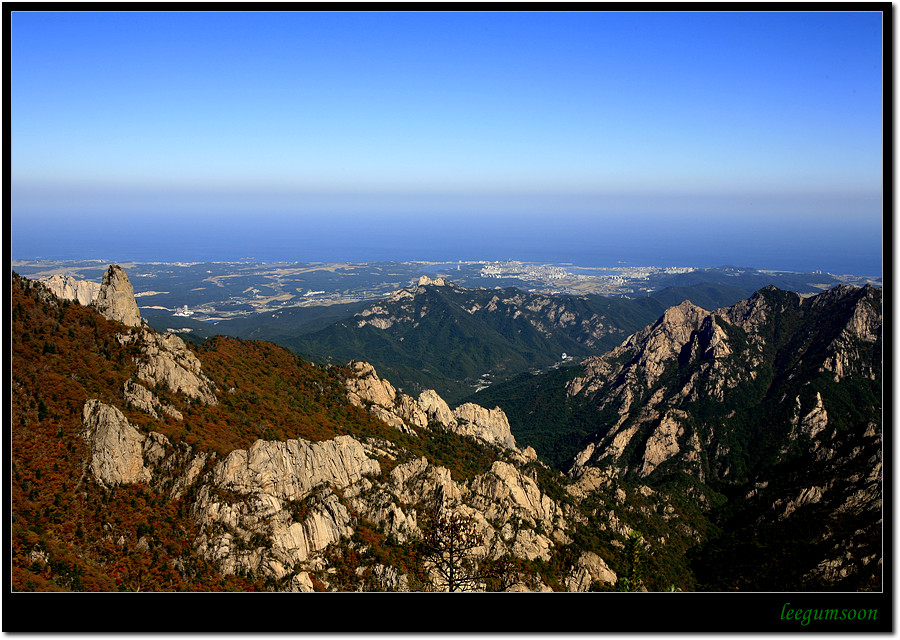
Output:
(516, 269)
(577, 283)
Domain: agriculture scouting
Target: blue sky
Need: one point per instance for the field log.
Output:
(206, 114)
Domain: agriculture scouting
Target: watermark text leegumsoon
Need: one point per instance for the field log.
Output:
(805, 616)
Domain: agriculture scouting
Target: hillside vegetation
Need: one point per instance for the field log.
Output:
(457, 340)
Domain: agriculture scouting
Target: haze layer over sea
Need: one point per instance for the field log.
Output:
(840, 245)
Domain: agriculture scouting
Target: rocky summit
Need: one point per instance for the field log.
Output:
(115, 298)
(733, 449)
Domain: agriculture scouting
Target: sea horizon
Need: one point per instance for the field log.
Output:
(836, 245)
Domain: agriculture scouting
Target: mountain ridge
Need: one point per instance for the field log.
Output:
(459, 339)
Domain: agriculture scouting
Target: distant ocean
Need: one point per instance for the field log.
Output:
(841, 246)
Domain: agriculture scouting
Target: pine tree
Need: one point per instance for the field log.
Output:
(448, 547)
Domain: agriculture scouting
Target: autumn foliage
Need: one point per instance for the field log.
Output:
(70, 533)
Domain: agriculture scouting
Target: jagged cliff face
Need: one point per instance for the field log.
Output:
(740, 357)
(113, 297)
(743, 397)
(165, 360)
(275, 508)
(116, 446)
(279, 510)
(68, 288)
(160, 359)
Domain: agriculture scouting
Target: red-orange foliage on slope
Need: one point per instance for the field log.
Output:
(266, 392)
(67, 532)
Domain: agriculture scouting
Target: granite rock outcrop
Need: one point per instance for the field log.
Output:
(165, 359)
(67, 287)
(366, 389)
(656, 378)
(115, 298)
(739, 398)
(117, 448)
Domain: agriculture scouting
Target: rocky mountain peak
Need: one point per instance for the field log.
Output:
(676, 323)
(437, 282)
(115, 299)
(686, 314)
(839, 320)
(737, 418)
(665, 338)
(409, 293)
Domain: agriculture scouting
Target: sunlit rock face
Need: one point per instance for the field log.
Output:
(68, 288)
(267, 508)
(365, 389)
(166, 360)
(116, 446)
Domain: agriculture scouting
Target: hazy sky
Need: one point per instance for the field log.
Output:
(256, 112)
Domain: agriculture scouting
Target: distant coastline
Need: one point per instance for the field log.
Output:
(844, 264)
